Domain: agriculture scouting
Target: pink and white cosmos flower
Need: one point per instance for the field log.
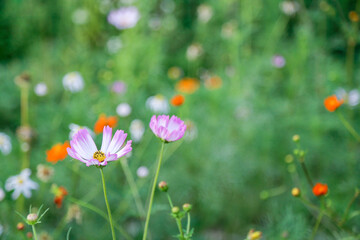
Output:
(166, 128)
(83, 147)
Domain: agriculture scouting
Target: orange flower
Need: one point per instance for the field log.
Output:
(104, 121)
(187, 85)
(320, 189)
(353, 16)
(332, 103)
(213, 82)
(57, 152)
(177, 100)
(60, 193)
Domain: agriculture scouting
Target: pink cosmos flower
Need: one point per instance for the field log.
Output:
(168, 130)
(84, 149)
(125, 17)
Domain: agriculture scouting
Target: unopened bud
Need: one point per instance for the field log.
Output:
(187, 207)
(29, 235)
(32, 218)
(20, 226)
(175, 210)
(254, 235)
(296, 138)
(163, 186)
(295, 192)
(289, 158)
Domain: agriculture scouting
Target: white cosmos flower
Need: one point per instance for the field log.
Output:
(137, 129)
(2, 194)
(125, 17)
(80, 16)
(289, 7)
(354, 97)
(5, 143)
(73, 82)
(21, 184)
(194, 51)
(74, 128)
(40, 89)
(158, 104)
(204, 12)
(123, 109)
(142, 172)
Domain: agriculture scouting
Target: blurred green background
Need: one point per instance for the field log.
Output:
(233, 171)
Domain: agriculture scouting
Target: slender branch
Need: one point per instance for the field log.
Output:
(107, 204)
(306, 172)
(133, 187)
(348, 126)
(153, 191)
(34, 231)
(356, 194)
(188, 224)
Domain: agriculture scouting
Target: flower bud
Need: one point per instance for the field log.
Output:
(295, 192)
(296, 138)
(175, 210)
(20, 226)
(163, 186)
(22, 80)
(29, 235)
(187, 207)
(254, 235)
(32, 218)
(289, 158)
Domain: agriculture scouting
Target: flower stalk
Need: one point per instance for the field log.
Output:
(153, 191)
(107, 204)
(348, 126)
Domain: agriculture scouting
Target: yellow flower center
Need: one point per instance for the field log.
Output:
(100, 156)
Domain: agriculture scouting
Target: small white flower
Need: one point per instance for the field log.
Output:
(2, 195)
(21, 184)
(194, 51)
(41, 89)
(204, 12)
(5, 143)
(142, 172)
(289, 7)
(114, 44)
(44, 173)
(80, 16)
(74, 128)
(73, 82)
(125, 17)
(123, 109)
(191, 131)
(158, 104)
(354, 97)
(137, 129)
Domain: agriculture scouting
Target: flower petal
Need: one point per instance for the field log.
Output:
(117, 141)
(125, 150)
(107, 134)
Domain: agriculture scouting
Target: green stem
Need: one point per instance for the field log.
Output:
(348, 126)
(34, 232)
(107, 204)
(101, 213)
(188, 224)
(357, 192)
(153, 191)
(306, 172)
(318, 221)
(170, 202)
(178, 222)
(133, 187)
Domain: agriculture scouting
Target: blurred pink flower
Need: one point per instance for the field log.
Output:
(278, 61)
(84, 149)
(166, 128)
(125, 17)
(119, 87)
